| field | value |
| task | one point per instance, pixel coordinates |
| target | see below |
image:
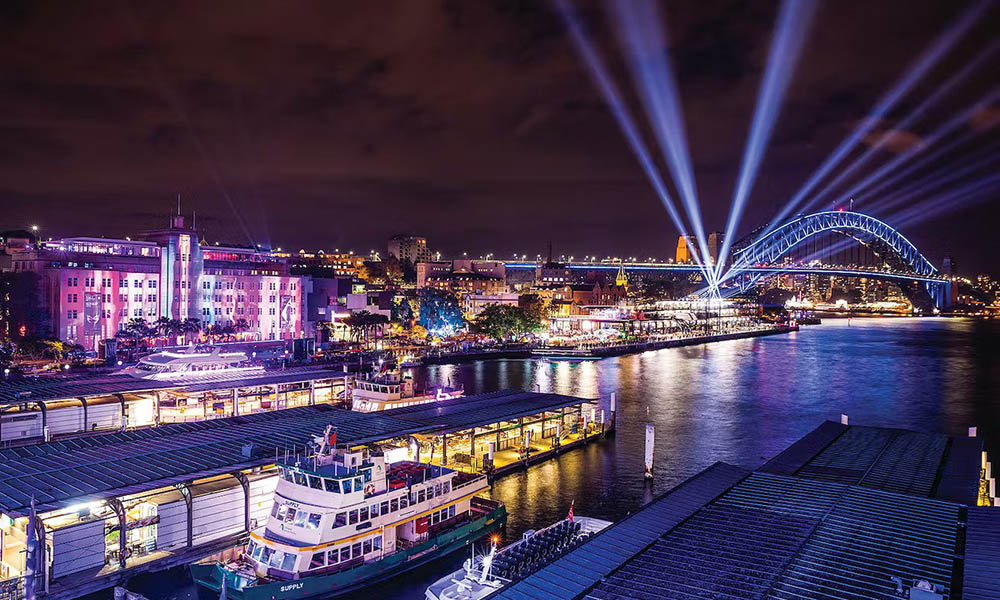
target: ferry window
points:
(358, 486)
(300, 479)
(331, 557)
(367, 546)
(421, 496)
(430, 492)
(437, 489)
(451, 510)
(363, 514)
(289, 476)
(367, 475)
(377, 543)
(435, 517)
(340, 520)
(332, 485)
(353, 517)
(250, 548)
(300, 518)
(318, 560)
(345, 553)
(313, 522)
(404, 501)
(290, 516)
(276, 558)
(385, 507)
(256, 551)
(356, 550)
(315, 483)
(374, 508)
(265, 557)
(445, 486)
(282, 509)
(288, 563)
(393, 505)
(274, 510)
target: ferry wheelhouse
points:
(343, 519)
(392, 391)
(193, 362)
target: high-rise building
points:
(409, 248)
(714, 245)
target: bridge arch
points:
(769, 248)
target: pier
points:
(112, 505)
(846, 512)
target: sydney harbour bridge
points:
(832, 243)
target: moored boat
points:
(389, 390)
(193, 362)
(484, 574)
(343, 519)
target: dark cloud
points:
(314, 124)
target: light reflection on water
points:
(740, 401)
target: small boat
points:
(389, 390)
(343, 519)
(483, 575)
(193, 362)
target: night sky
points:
(338, 124)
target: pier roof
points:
(824, 519)
(65, 472)
(64, 388)
(484, 409)
(897, 460)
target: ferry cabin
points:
(353, 510)
(391, 392)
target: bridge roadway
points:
(763, 269)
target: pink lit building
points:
(93, 286)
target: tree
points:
(55, 348)
(8, 351)
(505, 323)
(190, 327)
(440, 314)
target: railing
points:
(12, 589)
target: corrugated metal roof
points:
(578, 570)
(982, 554)
(474, 411)
(796, 456)
(34, 390)
(266, 378)
(959, 479)
(86, 468)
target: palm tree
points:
(175, 329)
(162, 325)
(190, 326)
(240, 326)
(55, 348)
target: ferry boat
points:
(169, 365)
(389, 390)
(483, 575)
(343, 519)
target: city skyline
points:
(275, 134)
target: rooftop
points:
(58, 474)
(839, 514)
(483, 409)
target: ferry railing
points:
(12, 589)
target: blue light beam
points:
(939, 93)
(791, 29)
(928, 59)
(612, 97)
(641, 34)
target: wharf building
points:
(845, 513)
(166, 496)
(88, 288)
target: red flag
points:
(570, 515)
(333, 439)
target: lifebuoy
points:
(369, 489)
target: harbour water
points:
(739, 401)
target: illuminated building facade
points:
(409, 248)
(91, 287)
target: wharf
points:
(846, 512)
(183, 491)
